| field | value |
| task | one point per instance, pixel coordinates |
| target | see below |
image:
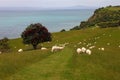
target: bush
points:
(63, 30)
(4, 46)
(109, 24)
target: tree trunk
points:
(35, 46)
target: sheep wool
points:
(88, 52)
(79, 50)
(20, 50)
(83, 49)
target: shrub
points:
(4, 46)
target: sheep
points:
(56, 48)
(20, 50)
(88, 52)
(43, 48)
(91, 47)
(79, 50)
(102, 49)
(83, 49)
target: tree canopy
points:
(35, 34)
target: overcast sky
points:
(57, 3)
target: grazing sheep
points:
(43, 48)
(102, 49)
(83, 49)
(91, 47)
(79, 50)
(0, 52)
(20, 50)
(88, 52)
(66, 43)
(56, 48)
(99, 48)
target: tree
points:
(4, 46)
(35, 34)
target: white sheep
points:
(79, 50)
(56, 48)
(91, 47)
(102, 49)
(83, 49)
(20, 50)
(43, 48)
(88, 52)
(0, 52)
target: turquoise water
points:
(12, 23)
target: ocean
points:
(13, 23)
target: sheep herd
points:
(82, 47)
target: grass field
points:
(66, 64)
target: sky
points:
(57, 3)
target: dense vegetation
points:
(102, 17)
(35, 34)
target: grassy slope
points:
(66, 64)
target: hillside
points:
(66, 64)
(103, 17)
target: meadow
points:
(65, 64)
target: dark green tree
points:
(35, 34)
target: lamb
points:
(43, 48)
(83, 49)
(56, 48)
(20, 50)
(79, 50)
(88, 52)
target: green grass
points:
(66, 64)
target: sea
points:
(14, 22)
